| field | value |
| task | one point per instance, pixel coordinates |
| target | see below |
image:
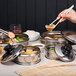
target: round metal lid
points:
(70, 35)
(64, 52)
(12, 55)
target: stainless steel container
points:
(50, 52)
(23, 55)
(28, 58)
(5, 38)
(63, 52)
(52, 37)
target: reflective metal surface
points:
(30, 57)
(70, 36)
(65, 52)
(52, 37)
(24, 42)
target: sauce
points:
(50, 27)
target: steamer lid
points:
(12, 53)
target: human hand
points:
(11, 34)
(70, 15)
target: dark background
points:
(34, 14)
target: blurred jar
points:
(16, 28)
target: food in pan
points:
(29, 51)
(0, 50)
(50, 27)
(18, 38)
(1, 58)
(53, 36)
(57, 36)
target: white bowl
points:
(33, 38)
(33, 35)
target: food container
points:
(19, 39)
(25, 55)
(33, 35)
(30, 55)
(63, 52)
(52, 37)
(2, 52)
(40, 45)
(50, 52)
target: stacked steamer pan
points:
(19, 51)
(52, 37)
(56, 46)
(19, 39)
(5, 40)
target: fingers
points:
(61, 14)
(61, 20)
(11, 34)
(71, 15)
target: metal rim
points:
(66, 37)
(63, 56)
(38, 52)
(14, 43)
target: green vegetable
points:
(51, 48)
(24, 38)
(17, 38)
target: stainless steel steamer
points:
(16, 55)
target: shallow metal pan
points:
(2, 36)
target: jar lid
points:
(70, 36)
(65, 52)
(11, 53)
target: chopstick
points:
(69, 9)
(58, 22)
(53, 21)
(3, 31)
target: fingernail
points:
(58, 17)
(60, 20)
(61, 15)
